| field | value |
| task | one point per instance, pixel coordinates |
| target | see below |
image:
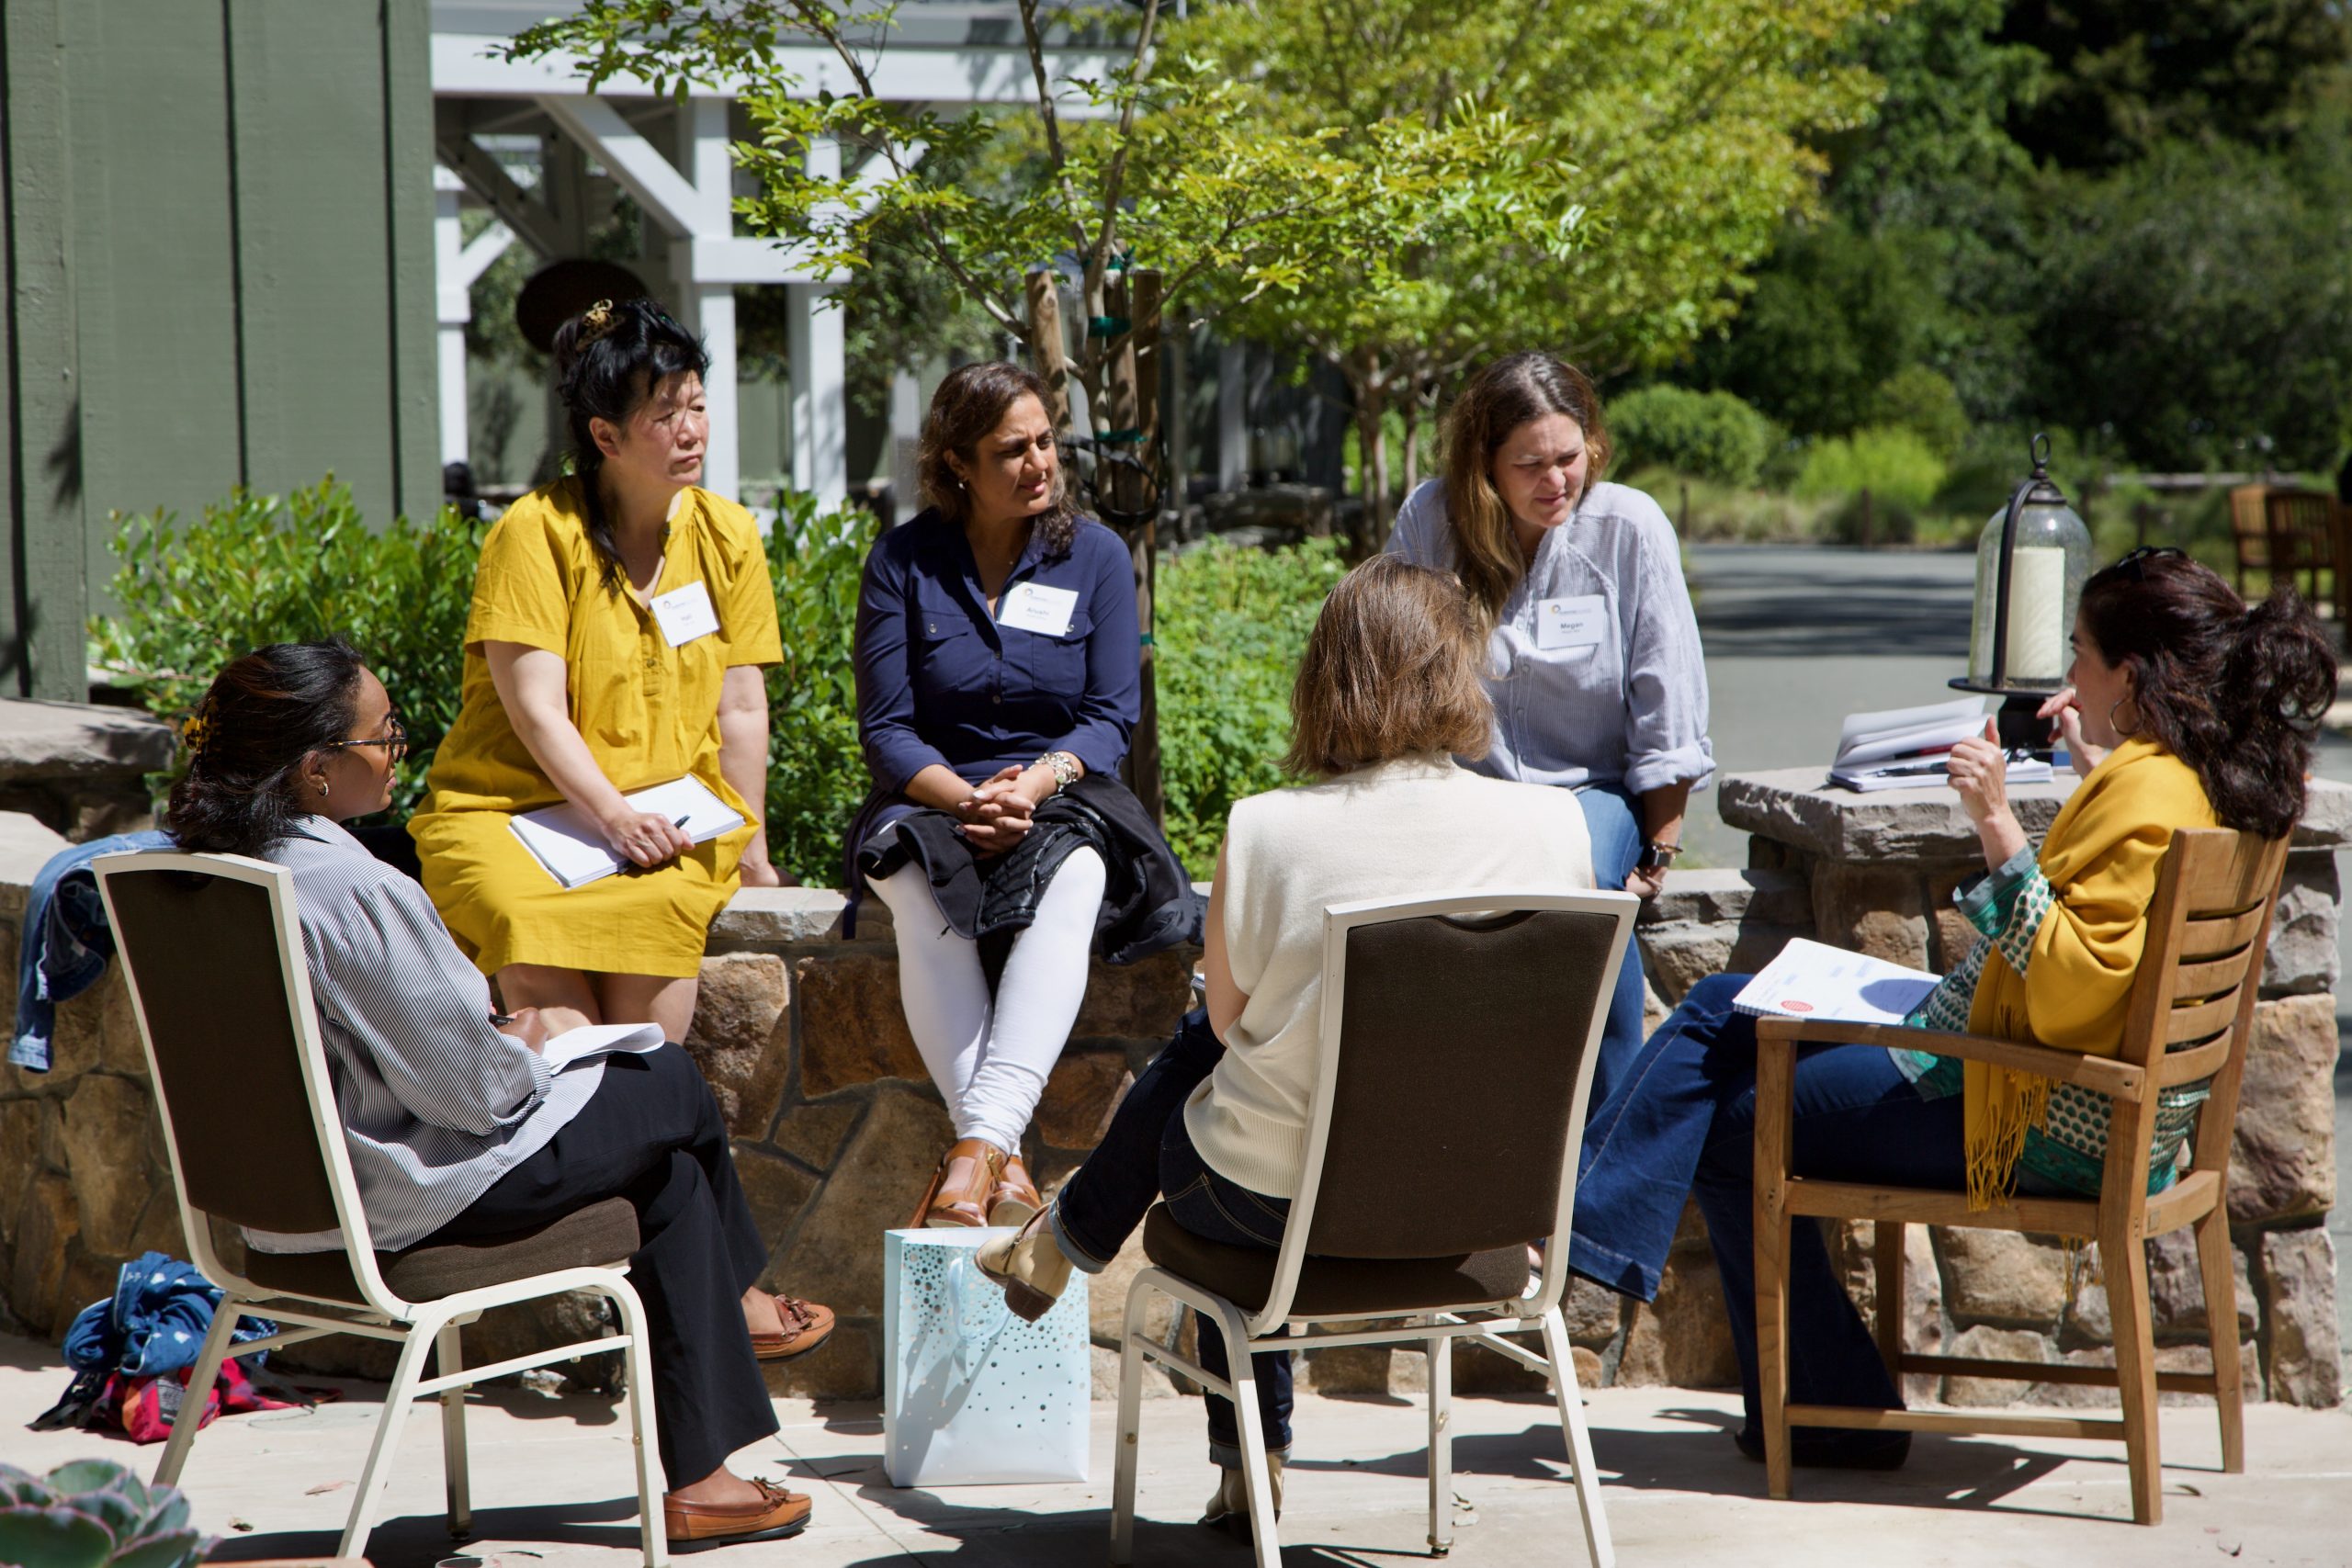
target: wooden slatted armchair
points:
(2191, 1012)
(2300, 528)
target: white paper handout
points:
(564, 839)
(1571, 623)
(1811, 979)
(576, 1046)
(1866, 738)
(1033, 607)
(684, 613)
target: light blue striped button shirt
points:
(436, 1103)
(1629, 708)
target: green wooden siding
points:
(219, 241)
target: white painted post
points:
(905, 445)
(820, 372)
(454, 308)
(1232, 416)
(709, 167)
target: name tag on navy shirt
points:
(1571, 623)
(685, 614)
(1033, 607)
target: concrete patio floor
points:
(552, 1489)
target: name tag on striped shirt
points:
(1571, 623)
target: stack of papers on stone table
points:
(1906, 748)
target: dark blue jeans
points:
(1613, 820)
(1682, 1123)
(1146, 1153)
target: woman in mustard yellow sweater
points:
(2186, 708)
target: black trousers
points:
(652, 1134)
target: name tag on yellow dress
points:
(1033, 607)
(1571, 623)
(684, 613)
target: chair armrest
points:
(2105, 1075)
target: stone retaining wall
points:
(836, 1127)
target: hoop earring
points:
(2111, 723)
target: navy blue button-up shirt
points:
(940, 679)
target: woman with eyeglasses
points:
(621, 617)
(2185, 708)
(459, 1132)
(1599, 683)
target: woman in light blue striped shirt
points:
(1598, 680)
(458, 1131)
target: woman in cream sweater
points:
(2185, 710)
(1388, 693)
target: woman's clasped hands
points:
(999, 813)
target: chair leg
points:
(1126, 1458)
(1441, 1348)
(638, 1364)
(2123, 1259)
(1597, 1544)
(373, 1476)
(455, 1478)
(1243, 1374)
(200, 1380)
(1886, 1245)
(1775, 1096)
(2220, 1274)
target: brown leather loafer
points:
(806, 1325)
(694, 1526)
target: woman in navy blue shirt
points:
(998, 676)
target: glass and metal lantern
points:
(2031, 564)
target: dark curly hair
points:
(608, 360)
(247, 739)
(970, 403)
(2235, 690)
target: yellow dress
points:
(648, 711)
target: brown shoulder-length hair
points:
(1393, 669)
(2236, 690)
(1498, 400)
(970, 404)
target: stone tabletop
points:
(1798, 807)
(79, 739)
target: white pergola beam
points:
(515, 207)
(465, 66)
(669, 197)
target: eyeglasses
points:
(395, 744)
(2137, 560)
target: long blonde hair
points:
(1498, 400)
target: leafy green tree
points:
(1687, 127)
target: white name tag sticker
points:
(1571, 623)
(685, 614)
(1033, 607)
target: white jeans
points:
(990, 1057)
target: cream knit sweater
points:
(1403, 828)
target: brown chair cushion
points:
(596, 1236)
(1337, 1286)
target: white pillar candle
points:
(2037, 608)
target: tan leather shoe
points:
(1014, 1197)
(806, 1326)
(694, 1526)
(1031, 1268)
(1230, 1509)
(958, 1193)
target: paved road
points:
(1799, 637)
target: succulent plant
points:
(93, 1514)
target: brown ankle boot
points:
(958, 1194)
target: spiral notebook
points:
(571, 848)
(1811, 979)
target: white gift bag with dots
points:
(971, 1395)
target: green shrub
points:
(1924, 402)
(1231, 624)
(816, 770)
(1893, 466)
(252, 570)
(1708, 436)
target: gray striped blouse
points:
(436, 1103)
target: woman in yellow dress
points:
(620, 619)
